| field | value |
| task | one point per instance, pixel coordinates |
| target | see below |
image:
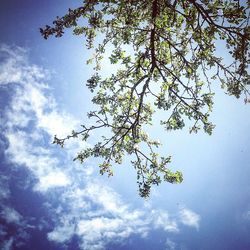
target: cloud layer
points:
(78, 203)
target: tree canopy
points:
(167, 60)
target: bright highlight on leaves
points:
(172, 67)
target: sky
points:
(47, 201)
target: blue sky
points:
(47, 201)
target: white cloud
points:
(101, 230)
(4, 188)
(53, 179)
(10, 215)
(189, 218)
(37, 159)
(100, 217)
(96, 228)
(9, 60)
(62, 234)
(15, 68)
(163, 220)
(33, 109)
(105, 197)
(17, 236)
(8, 244)
(98, 220)
(170, 245)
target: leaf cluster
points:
(172, 66)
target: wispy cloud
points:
(163, 220)
(170, 245)
(31, 117)
(4, 187)
(10, 218)
(189, 218)
(8, 244)
(10, 215)
(246, 215)
(81, 204)
(24, 123)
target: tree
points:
(172, 67)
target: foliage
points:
(171, 68)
